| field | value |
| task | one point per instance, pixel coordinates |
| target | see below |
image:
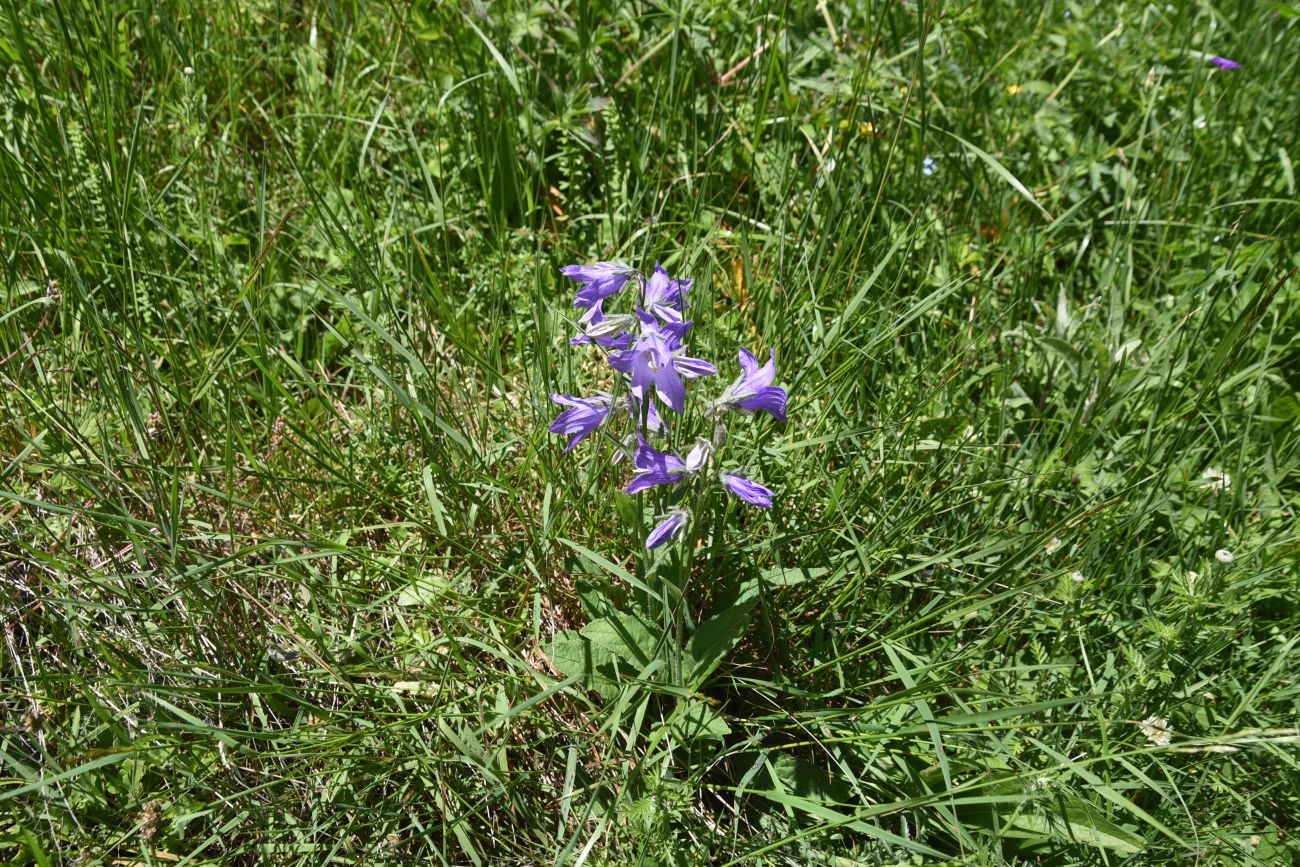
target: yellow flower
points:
(866, 129)
(1013, 89)
(844, 126)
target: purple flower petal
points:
(752, 377)
(666, 529)
(751, 492)
(586, 415)
(753, 389)
(652, 419)
(770, 400)
(1225, 63)
(623, 360)
(670, 388)
(651, 370)
(677, 292)
(646, 481)
(763, 377)
(593, 273)
(650, 459)
(665, 297)
(693, 367)
(654, 467)
(675, 333)
(598, 281)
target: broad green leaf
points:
(697, 720)
(1077, 823)
(713, 639)
(623, 636)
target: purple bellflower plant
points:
(646, 348)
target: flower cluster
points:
(647, 350)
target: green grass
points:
(289, 563)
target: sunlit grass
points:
(285, 546)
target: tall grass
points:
(285, 546)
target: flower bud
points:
(699, 456)
(610, 326)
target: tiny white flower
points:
(1053, 546)
(189, 70)
(1199, 123)
(1223, 555)
(928, 166)
(1216, 480)
(1077, 577)
(1157, 730)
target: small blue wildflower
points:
(753, 389)
(597, 282)
(653, 467)
(928, 165)
(664, 297)
(587, 414)
(750, 492)
(666, 529)
(656, 363)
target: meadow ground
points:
(291, 571)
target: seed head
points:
(150, 816)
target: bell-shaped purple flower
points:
(585, 416)
(666, 529)
(598, 281)
(751, 492)
(653, 467)
(753, 390)
(664, 297)
(656, 364)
